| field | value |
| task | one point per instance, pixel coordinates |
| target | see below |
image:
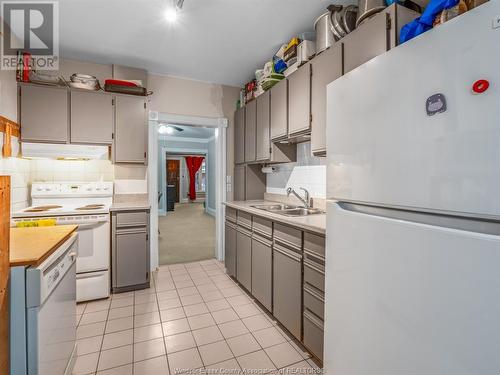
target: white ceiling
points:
(219, 41)
(192, 132)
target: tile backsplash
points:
(19, 172)
(308, 172)
(24, 172)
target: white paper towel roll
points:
(268, 170)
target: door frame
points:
(220, 125)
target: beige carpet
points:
(186, 234)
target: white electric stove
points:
(86, 205)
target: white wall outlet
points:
(229, 179)
(496, 22)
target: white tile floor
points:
(194, 317)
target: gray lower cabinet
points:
(44, 114)
(314, 293)
(230, 248)
(239, 136)
(244, 257)
(279, 110)
(250, 131)
(299, 101)
(92, 117)
(326, 67)
(130, 253)
(287, 288)
(131, 135)
(262, 270)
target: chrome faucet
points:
(306, 200)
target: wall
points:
(181, 96)
(308, 172)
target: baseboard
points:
(211, 211)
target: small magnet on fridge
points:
(480, 86)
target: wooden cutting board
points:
(4, 272)
(31, 246)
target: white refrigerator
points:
(413, 223)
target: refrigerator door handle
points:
(482, 226)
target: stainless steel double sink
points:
(289, 210)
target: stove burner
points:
(90, 207)
(42, 208)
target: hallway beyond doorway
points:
(186, 234)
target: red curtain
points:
(193, 165)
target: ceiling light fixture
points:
(172, 13)
(165, 129)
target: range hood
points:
(64, 151)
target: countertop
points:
(312, 223)
(127, 206)
(31, 246)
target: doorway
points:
(155, 174)
(188, 158)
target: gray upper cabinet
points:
(279, 110)
(239, 183)
(299, 101)
(366, 42)
(44, 114)
(130, 144)
(91, 117)
(326, 68)
(263, 126)
(250, 131)
(239, 136)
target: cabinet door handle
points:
(286, 253)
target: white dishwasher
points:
(43, 314)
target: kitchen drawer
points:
(132, 219)
(288, 236)
(231, 214)
(313, 334)
(314, 243)
(314, 301)
(245, 219)
(263, 227)
(314, 271)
